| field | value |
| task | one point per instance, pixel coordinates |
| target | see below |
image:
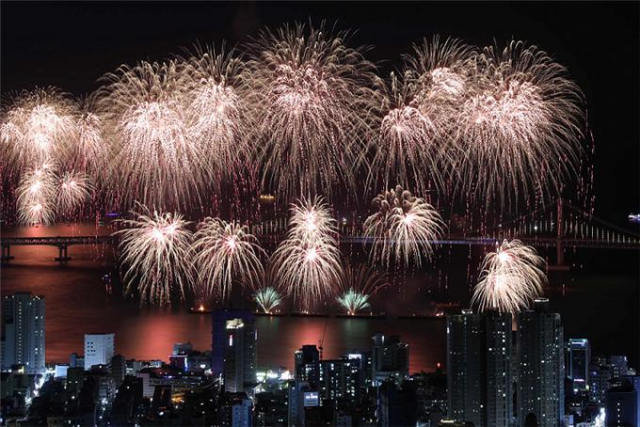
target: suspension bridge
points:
(558, 224)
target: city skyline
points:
(378, 214)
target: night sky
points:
(71, 45)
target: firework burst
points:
(311, 220)
(36, 196)
(519, 126)
(74, 189)
(403, 227)
(226, 252)
(358, 285)
(217, 111)
(510, 278)
(156, 250)
(419, 112)
(154, 160)
(314, 98)
(268, 299)
(37, 127)
(307, 263)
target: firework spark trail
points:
(314, 99)
(510, 278)
(268, 299)
(226, 252)
(38, 126)
(154, 159)
(74, 189)
(402, 228)
(307, 264)
(357, 286)
(156, 250)
(217, 112)
(36, 196)
(519, 126)
(311, 220)
(419, 111)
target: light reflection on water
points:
(78, 302)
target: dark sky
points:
(70, 45)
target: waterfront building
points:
(479, 365)
(234, 349)
(540, 350)
(389, 358)
(98, 349)
(23, 332)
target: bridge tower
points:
(63, 256)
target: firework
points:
(156, 250)
(307, 263)
(519, 127)
(154, 160)
(91, 151)
(311, 220)
(403, 227)
(510, 278)
(38, 126)
(419, 113)
(358, 284)
(36, 196)
(74, 189)
(313, 97)
(226, 252)
(268, 299)
(217, 113)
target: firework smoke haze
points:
(403, 228)
(225, 252)
(510, 279)
(314, 99)
(155, 249)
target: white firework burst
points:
(225, 252)
(510, 279)
(155, 249)
(403, 228)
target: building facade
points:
(23, 333)
(540, 353)
(98, 349)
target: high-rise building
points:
(341, 379)
(464, 367)
(623, 402)
(234, 349)
(619, 366)
(307, 365)
(600, 373)
(118, 369)
(298, 390)
(540, 350)
(389, 358)
(98, 349)
(23, 332)
(577, 360)
(497, 390)
(489, 389)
